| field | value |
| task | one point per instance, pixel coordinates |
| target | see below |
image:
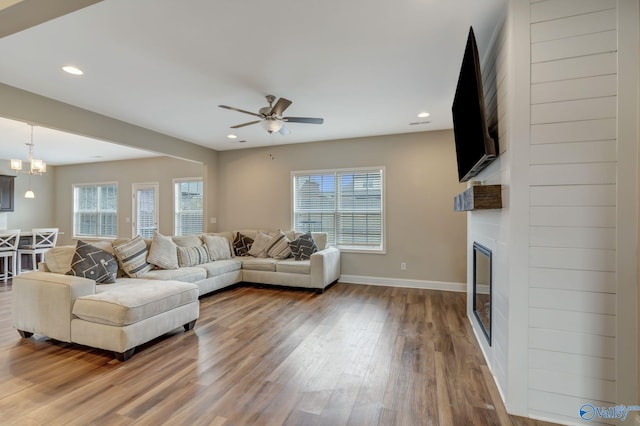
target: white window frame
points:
(175, 204)
(346, 248)
(75, 211)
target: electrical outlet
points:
(213, 220)
(403, 266)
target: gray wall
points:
(161, 170)
(254, 191)
(38, 212)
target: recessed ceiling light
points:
(232, 136)
(423, 114)
(72, 70)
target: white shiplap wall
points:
(491, 227)
(572, 244)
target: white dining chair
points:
(9, 240)
(42, 239)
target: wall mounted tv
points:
(475, 148)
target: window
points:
(188, 206)
(145, 209)
(95, 210)
(346, 204)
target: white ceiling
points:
(368, 67)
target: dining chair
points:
(42, 239)
(9, 240)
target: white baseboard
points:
(399, 282)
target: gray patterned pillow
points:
(242, 244)
(303, 247)
(132, 256)
(91, 262)
(163, 252)
(279, 248)
(192, 256)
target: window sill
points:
(361, 250)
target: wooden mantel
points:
(479, 197)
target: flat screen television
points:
(475, 148)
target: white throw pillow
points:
(163, 252)
(260, 245)
(218, 247)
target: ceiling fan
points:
(271, 118)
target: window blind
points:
(347, 204)
(189, 199)
(95, 210)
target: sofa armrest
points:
(41, 302)
(325, 267)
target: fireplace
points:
(482, 288)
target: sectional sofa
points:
(152, 287)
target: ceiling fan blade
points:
(284, 130)
(239, 110)
(280, 106)
(237, 126)
(307, 120)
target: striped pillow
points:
(192, 256)
(132, 257)
(279, 247)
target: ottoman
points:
(134, 313)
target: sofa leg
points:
(189, 326)
(123, 356)
(25, 334)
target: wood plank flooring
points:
(355, 355)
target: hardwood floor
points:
(355, 355)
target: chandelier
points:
(36, 167)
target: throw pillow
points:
(192, 256)
(303, 247)
(260, 244)
(218, 247)
(242, 244)
(163, 252)
(91, 262)
(279, 247)
(132, 256)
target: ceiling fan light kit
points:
(271, 118)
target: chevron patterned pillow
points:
(303, 247)
(242, 244)
(91, 262)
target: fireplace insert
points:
(482, 288)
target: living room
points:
(422, 231)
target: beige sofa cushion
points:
(131, 303)
(294, 266)
(261, 242)
(188, 240)
(220, 267)
(188, 274)
(259, 264)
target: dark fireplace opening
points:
(482, 287)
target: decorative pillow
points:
(58, 259)
(191, 240)
(260, 244)
(91, 262)
(242, 244)
(132, 256)
(163, 252)
(279, 247)
(192, 256)
(218, 247)
(303, 247)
